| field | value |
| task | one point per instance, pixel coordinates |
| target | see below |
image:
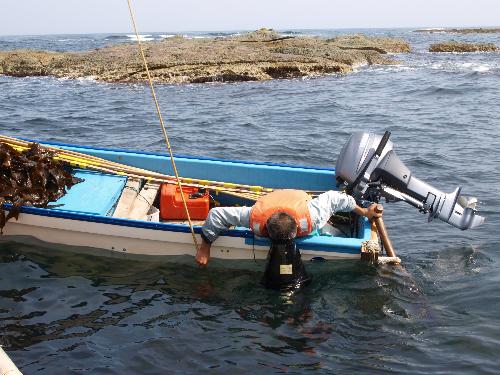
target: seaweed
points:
(31, 178)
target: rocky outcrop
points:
(455, 46)
(362, 42)
(261, 55)
(478, 30)
(24, 63)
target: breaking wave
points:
(142, 37)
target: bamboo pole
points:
(170, 181)
(103, 165)
(86, 161)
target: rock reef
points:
(455, 46)
(260, 55)
(477, 30)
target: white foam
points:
(462, 66)
(481, 68)
(476, 67)
(437, 66)
(142, 37)
(388, 68)
(357, 66)
(164, 36)
(195, 36)
(87, 79)
(435, 29)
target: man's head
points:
(281, 227)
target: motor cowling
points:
(368, 168)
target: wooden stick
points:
(382, 231)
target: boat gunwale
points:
(151, 153)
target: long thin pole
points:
(384, 236)
(92, 162)
(164, 130)
(79, 160)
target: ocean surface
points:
(64, 313)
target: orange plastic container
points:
(172, 208)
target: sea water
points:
(64, 313)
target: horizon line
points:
(251, 30)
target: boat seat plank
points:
(144, 201)
(129, 194)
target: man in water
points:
(281, 215)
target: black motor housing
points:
(285, 269)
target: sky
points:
(33, 17)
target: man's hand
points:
(374, 211)
(203, 253)
(371, 212)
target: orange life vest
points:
(293, 202)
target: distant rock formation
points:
(455, 46)
(362, 42)
(478, 30)
(260, 55)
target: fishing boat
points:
(115, 207)
(101, 212)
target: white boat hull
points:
(138, 241)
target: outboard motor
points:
(368, 168)
(285, 270)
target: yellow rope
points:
(164, 130)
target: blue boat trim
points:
(62, 214)
(341, 245)
(61, 144)
(247, 173)
(320, 243)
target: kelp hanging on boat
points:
(31, 178)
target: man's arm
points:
(218, 220)
(325, 205)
